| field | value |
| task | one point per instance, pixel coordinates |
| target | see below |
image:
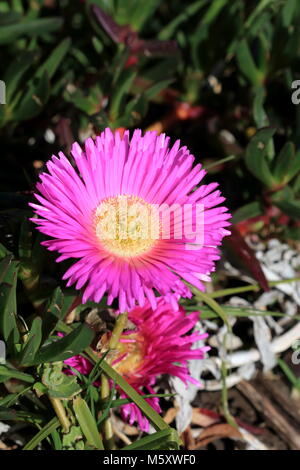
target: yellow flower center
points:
(127, 226)
(130, 355)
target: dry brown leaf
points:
(201, 419)
(188, 439)
(217, 431)
(123, 427)
(5, 447)
(170, 415)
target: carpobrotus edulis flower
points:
(127, 211)
(161, 342)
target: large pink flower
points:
(81, 208)
(160, 343)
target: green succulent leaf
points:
(8, 302)
(246, 63)
(10, 32)
(122, 87)
(50, 66)
(73, 440)
(54, 312)
(256, 153)
(16, 72)
(33, 342)
(288, 11)
(134, 12)
(290, 208)
(9, 18)
(87, 423)
(34, 99)
(59, 349)
(57, 383)
(9, 373)
(248, 211)
(287, 164)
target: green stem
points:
(105, 388)
(61, 413)
(225, 405)
(228, 416)
(211, 303)
(118, 330)
(106, 425)
(219, 162)
(254, 287)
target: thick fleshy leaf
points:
(9, 18)
(255, 157)
(288, 11)
(33, 342)
(253, 209)
(122, 87)
(259, 113)
(184, 16)
(68, 346)
(29, 28)
(290, 207)
(135, 12)
(15, 72)
(8, 303)
(246, 63)
(54, 60)
(287, 164)
(53, 313)
(87, 423)
(57, 384)
(34, 99)
(9, 373)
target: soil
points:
(251, 418)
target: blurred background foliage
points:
(216, 74)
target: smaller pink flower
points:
(80, 363)
(160, 343)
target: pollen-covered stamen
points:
(130, 354)
(126, 225)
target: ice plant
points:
(161, 342)
(117, 182)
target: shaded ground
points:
(275, 421)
